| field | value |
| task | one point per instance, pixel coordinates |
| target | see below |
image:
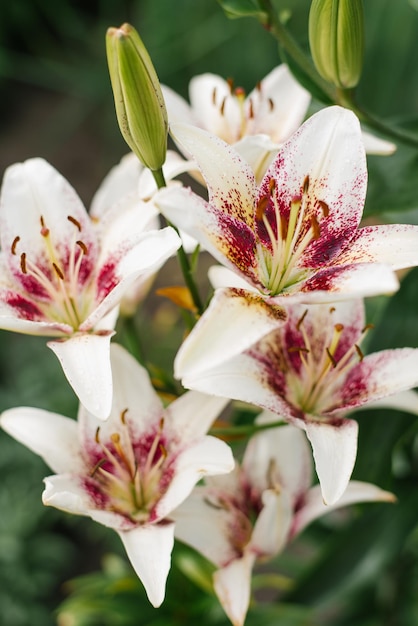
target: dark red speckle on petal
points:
(24, 308)
(107, 280)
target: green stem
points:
(181, 254)
(130, 337)
(346, 98)
(247, 430)
(294, 50)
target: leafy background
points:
(353, 567)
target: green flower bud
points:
(336, 38)
(139, 103)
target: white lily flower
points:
(63, 276)
(295, 237)
(311, 372)
(131, 471)
(257, 123)
(254, 512)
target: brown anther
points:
(115, 437)
(44, 229)
(58, 271)
(359, 352)
(271, 104)
(332, 309)
(214, 96)
(83, 246)
(258, 86)
(367, 327)
(301, 320)
(325, 208)
(161, 423)
(331, 358)
(305, 186)
(261, 207)
(251, 110)
(284, 226)
(72, 219)
(96, 436)
(230, 82)
(14, 244)
(23, 263)
(272, 185)
(97, 467)
(123, 416)
(163, 450)
(339, 328)
(222, 107)
(315, 227)
(298, 349)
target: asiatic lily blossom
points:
(251, 514)
(296, 237)
(131, 471)
(62, 276)
(256, 123)
(311, 372)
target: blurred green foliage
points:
(360, 567)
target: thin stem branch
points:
(181, 255)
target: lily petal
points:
(273, 524)
(52, 436)
(334, 448)
(345, 282)
(380, 374)
(279, 446)
(230, 180)
(220, 113)
(132, 390)
(233, 321)
(233, 587)
(67, 492)
(393, 244)
(207, 456)
(85, 360)
(314, 507)
(122, 269)
(376, 145)
(192, 414)
(403, 401)
(121, 180)
(149, 550)
(205, 528)
(229, 240)
(280, 104)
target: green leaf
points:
(393, 182)
(243, 8)
(398, 326)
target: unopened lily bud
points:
(336, 39)
(139, 103)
